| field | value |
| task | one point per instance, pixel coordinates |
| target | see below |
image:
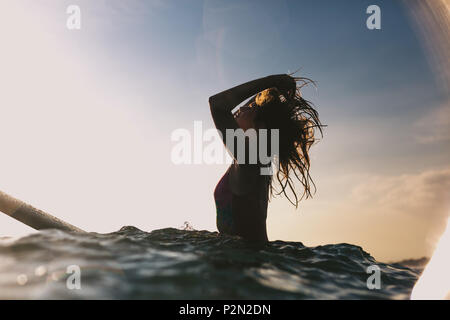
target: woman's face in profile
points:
(245, 116)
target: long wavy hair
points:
(297, 122)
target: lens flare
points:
(435, 280)
(432, 22)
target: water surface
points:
(188, 264)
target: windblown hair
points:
(296, 120)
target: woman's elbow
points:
(212, 101)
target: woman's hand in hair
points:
(285, 84)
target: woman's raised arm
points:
(227, 100)
(223, 103)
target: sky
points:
(87, 115)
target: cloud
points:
(435, 126)
(401, 215)
(423, 195)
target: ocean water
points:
(188, 264)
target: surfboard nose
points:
(35, 218)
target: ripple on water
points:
(188, 264)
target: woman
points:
(242, 194)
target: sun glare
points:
(435, 280)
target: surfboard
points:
(35, 218)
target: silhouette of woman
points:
(242, 194)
